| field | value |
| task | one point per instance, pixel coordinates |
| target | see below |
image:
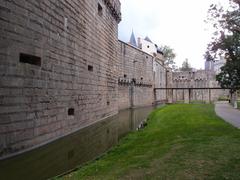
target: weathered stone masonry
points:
(62, 68)
(196, 79)
(58, 68)
(135, 77)
(139, 74)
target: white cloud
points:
(179, 24)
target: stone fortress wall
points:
(58, 67)
(139, 74)
(62, 68)
(196, 79)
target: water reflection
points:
(68, 152)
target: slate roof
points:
(133, 40)
(148, 39)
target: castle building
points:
(209, 65)
(218, 64)
(215, 65)
(202, 79)
(147, 45)
(63, 69)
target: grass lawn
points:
(180, 142)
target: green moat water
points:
(73, 150)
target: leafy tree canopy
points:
(168, 54)
(186, 66)
(226, 42)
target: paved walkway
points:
(228, 113)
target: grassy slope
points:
(180, 142)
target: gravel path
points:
(228, 113)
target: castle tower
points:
(209, 65)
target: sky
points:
(178, 24)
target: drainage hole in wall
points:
(90, 68)
(30, 59)
(71, 111)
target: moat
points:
(76, 149)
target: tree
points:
(226, 41)
(168, 54)
(208, 56)
(186, 66)
(229, 77)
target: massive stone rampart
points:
(135, 77)
(139, 73)
(62, 68)
(58, 68)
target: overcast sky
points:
(179, 24)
